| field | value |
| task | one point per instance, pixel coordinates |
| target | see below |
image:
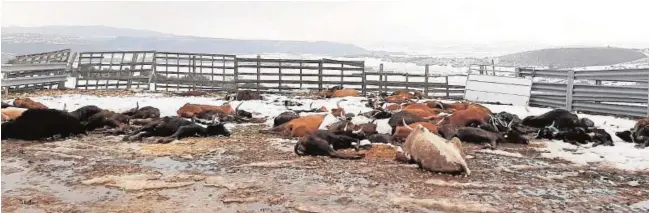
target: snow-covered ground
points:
(622, 155)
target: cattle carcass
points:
(298, 127)
(398, 118)
(35, 124)
(206, 116)
(12, 113)
(433, 153)
(142, 113)
(106, 118)
(85, 112)
(639, 134)
(381, 138)
(560, 117)
(28, 103)
(378, 113)
(421, 110)
(325, 143)
(172, 128)
(479, 136)
(338, 111)
(244, 95)
(284, 117)
(190, 110)
(403, 131)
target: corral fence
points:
(177, 71)
(46, 70)
(623, 92)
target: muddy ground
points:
(251, 172)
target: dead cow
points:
(28, 103)
(325, 143)
(35, 124)
(173, 127)
(433, 153)
(244, 95)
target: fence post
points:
(407, 81)
(381, 78)
(647, 96)
(364, 79)
(447, 87)
(320, 75)
(258, 71)
(193, 63)
(280, 76)
(517, 72)
(342, 74)
(300, 74)
(570, 82)
(426, 81)
(236, 74)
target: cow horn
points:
(440, 121)
(338, 103)
(137, 105)
(345, 129)
(358, 131)
(406, 125)
(510, 124)
(376, 113)
(236, 110)
(440, 105)
(373, 120)
(65, 105)
(215, 118)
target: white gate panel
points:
(507, 90)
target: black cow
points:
(284, 117)
(85, 112)
(107, 118)
(381, 138)
(35, 124)
(378, 113)
(560, 118)
(325, 143)
(174, 127)
(399, 118)
(5, 105)
(639, 134)
(477, 135)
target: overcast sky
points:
(547, 21)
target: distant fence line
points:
(617, 92)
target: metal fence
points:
(36, 71)
(178, 71)
(622, 92)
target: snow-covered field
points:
(622, 155)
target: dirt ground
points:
(251, 172)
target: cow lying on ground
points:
(12, 113)
(433, 153)
(561, 119)
(36, 124)
(639, 134)
(143, 113)
(173, 128)
(244, 95)
(85, 112)
(5, 105)
(298, 127)
(190, 110)
(28, 103)
(325, 143)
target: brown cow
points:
(422, 110)
(12, 113)
(402, 132)
(190, 110)
(345, 93)
(299, 127)
(339, 111)
(28, 103)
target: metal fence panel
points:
(194, 71)
(115, 70)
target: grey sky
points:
(548, 21)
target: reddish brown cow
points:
(299, 127)
(28, 103)
(190, 110)
(402, 132)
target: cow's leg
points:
(182, 132)
(349, 139)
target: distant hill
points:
(571, 57)
(22, 40)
